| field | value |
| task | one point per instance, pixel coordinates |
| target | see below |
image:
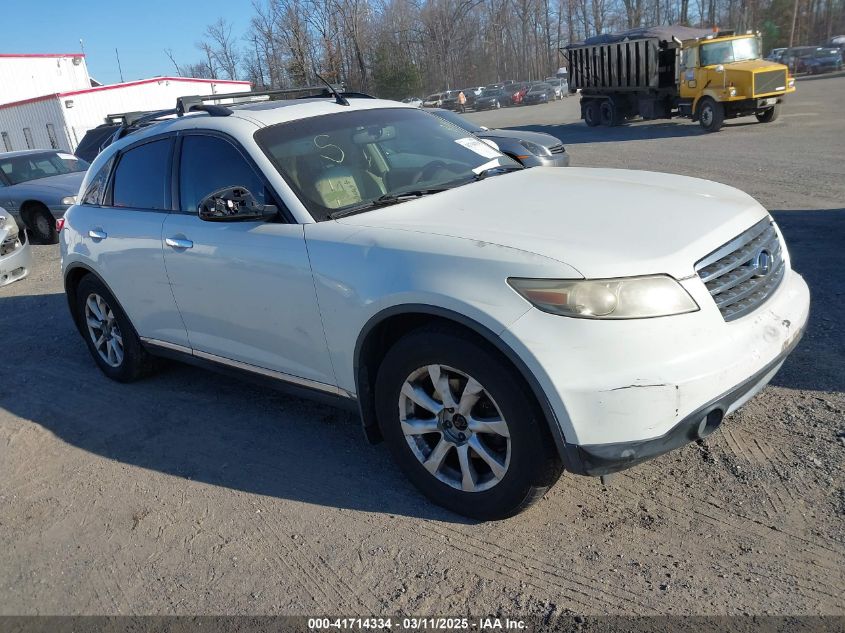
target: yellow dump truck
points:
(666, 72)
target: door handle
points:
(178, 242)
(97, 234)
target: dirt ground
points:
(192, 493)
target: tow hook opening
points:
(709, 423)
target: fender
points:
(568, 452)
(74, 266)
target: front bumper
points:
(603, 459)
(16, 264)
(555, 160)
(624, 391)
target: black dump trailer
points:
(628, 74)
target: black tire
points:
(767, 116)
(592, 116)
(711, 115)
(42, 225)
(135, 362)
(534, 464)
(608, 113)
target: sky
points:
(141, 31)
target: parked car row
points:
(812, 60)
(504, 94)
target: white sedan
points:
(368, 252)
(15, 254)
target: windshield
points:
(457, 119)
(28, 167)
(354, 160)
(739, 50)
(432, 98)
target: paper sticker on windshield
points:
(66, 156)
(480, 148)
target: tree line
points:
(399, 48)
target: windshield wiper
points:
(498, 169)
(386, 199)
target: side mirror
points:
(719, 68)
(485, 128)
(234, 204)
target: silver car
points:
(532, 149)
(38, 186)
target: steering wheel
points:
(428, 171)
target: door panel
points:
(246, 293)
(123, 236)
(130, 260)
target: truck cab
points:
(725, 76)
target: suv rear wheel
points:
(110, 337)
(461, 427)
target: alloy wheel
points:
(454, 428)
(104, 330)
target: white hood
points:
(602, 222)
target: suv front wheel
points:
(460, 425)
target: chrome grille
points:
(557, 149)
(769, 81)
(743, 273)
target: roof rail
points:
(134, 120)
(195, 103)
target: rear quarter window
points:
(142, 176)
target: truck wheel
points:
(711, 115)
(608, 113)
(592, 116)
(767, 116)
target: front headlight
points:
(68, 200)
(623, 298)
(535, 148)
(792, 82)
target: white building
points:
(54, 102)
(26, 76)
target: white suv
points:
(375, 254)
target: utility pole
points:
(792, 30)
(117, 55)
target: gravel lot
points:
(194, 493)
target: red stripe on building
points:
(127, 84)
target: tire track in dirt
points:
(288, 563)
(822, 582)
(350, 592)
(536, 569)
(318, 573)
